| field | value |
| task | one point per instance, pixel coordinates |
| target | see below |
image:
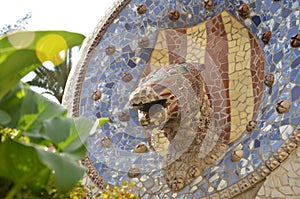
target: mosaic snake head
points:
(173, 100)
(171, 97)
(168, 96)
(154, 103)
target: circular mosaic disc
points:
(202, 96)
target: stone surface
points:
(284, 182)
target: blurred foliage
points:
(53, 81)
(39, 143)
(24, 51)
(40, 148)
(50, 192)
(120, 192)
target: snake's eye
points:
(150, 112)
(162, 103)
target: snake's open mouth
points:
(150, 113)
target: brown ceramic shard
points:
(110, 50)
(244, 11)
(283, 106)
(266, 36)
(174, 15)
(142, 9)
(295, 41)
(208, 4)
(96, 95)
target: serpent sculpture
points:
(163, 104)
(217, 130)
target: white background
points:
(80, 16)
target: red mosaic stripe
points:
(177, 45)
(257, 71)
(217, 59)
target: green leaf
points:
(11, 104)
(70, 135)
(78, 154)
(4, 118)
(67, 172)
(57, 129)
(29, 40)
(17, 65)
(22, 52)
(15, 157)
(45, 123)
(35, 103)
(79, 132)
(26, 121)
(20, 163)
(35, 109)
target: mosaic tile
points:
(245, 53)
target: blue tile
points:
(258, 5)
(298, 79)
(256, 143)
(275, 136)
(127, 49)
(278, 56)
(274, 7)
(286, 12)
(292, 31)
(276, 144)
(296, 63)
(110, 85)
(98, 115)
(296, 93)
(256, 20)
(131, 63)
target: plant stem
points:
(15, 189)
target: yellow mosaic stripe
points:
(160, 53)
(159, 58)
(240, 84)
(196, 42)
